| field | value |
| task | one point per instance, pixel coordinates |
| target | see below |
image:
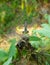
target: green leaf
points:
(12, 49)
(34, 38)
(8, 61)
(47, 17)
(47, 63)
(46, 26)
(35, 44)
(45, 31)
(3, 55)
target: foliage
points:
(7, 56)
(38, 51)
(37, 48)
(45, 30)
(12, 12)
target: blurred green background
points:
(16, 12)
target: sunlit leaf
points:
(8, 61)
